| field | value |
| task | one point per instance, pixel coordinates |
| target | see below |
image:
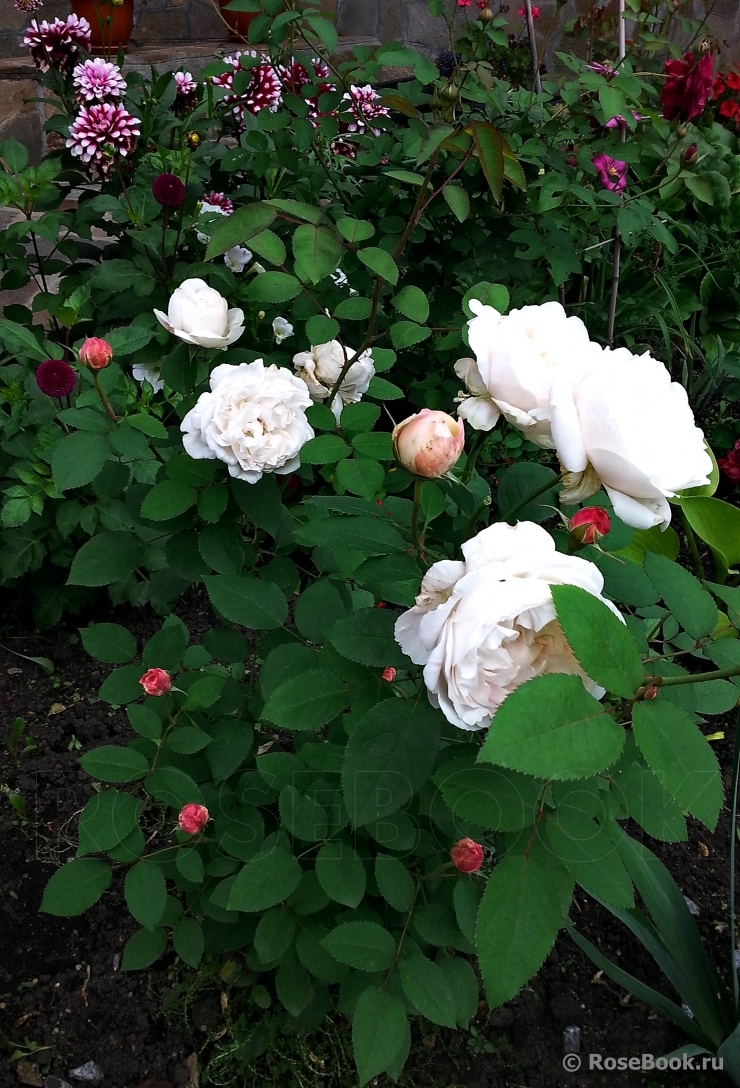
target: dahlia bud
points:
(467, 856)
(389, 674)
(96, 353)
(169, 191)
(55, 378)
(428, 443)
(156, 682)
(192, 819)
(486, 15)
(193, 140)
(589, 525)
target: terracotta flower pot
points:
(238, 22)
(110, 24)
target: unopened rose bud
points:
(690, 154)
(467, 856)
(156, 682)
(96, 353)
(486, 15)
(428, 443)
(651, 692)
(589, 525)
(192, 819)
(450, 93)
(389, 674)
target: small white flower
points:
(258, 268)
(282, 329)
(254, 419)
(339, 278)
(237, 258)
(148, 372)
(200, 315)
(321, 366)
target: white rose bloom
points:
(486, 625)
(237, 258)
(520, 355)
(254, 419)
(282, 329)
(476, 406)
(627, 426)
(321, 366)
(148, 372)
(200, 315)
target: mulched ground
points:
(59, 987)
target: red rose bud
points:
(56, 378)
(156, 682)
(690, 154)
(96, 353)
(589, 525)
(651, 692)
(467, 856)
(389, 674)
(168, 190)
(192, 819)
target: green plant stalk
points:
(697, 677)
(103, 399)
(535, 494)
(693, 546)
(475, 448)
(418, 483)
(733, 841)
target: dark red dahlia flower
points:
(169, 191)
(55, 378)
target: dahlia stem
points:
(103, 399)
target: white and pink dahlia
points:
(185, 82)
(263, 92)
(103, 132)
(28, 6)
(57, 45)
(98, 79)
(364, 108)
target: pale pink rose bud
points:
(156, 682)
(589, 525)
(96, 353)
(467, 856)
(428, 443)
(389, 674)
(192, 819)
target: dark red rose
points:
(686, 92)
(730, 464)
(168, 191)
(55, 378)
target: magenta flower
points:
(98, 79)
(295, 76)
(57, 45)
(522, 13)
(185, 83)
(686, 92)
(55, 378)
(612, 173)
(101, 132)
(168, 191)
(217, 202)
(365, 106)
(621, 122)
(263, 91)
(605, 70)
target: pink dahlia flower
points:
(263, 91)
(57, 45)
(101, 132)
(28, 6)
(612, 173)
(185, 82)
(98, 79)
(621, 122)
(365, 106)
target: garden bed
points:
(60, 989)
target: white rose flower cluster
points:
(614, 418)
(321, 366)
(254, 419)
(486, 625)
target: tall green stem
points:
(418, 482)
(693, 546)
(698, 677)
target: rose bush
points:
(293, 276)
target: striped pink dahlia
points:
(102, 132)
(57, 44)
(98, 79)
(263, 91)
